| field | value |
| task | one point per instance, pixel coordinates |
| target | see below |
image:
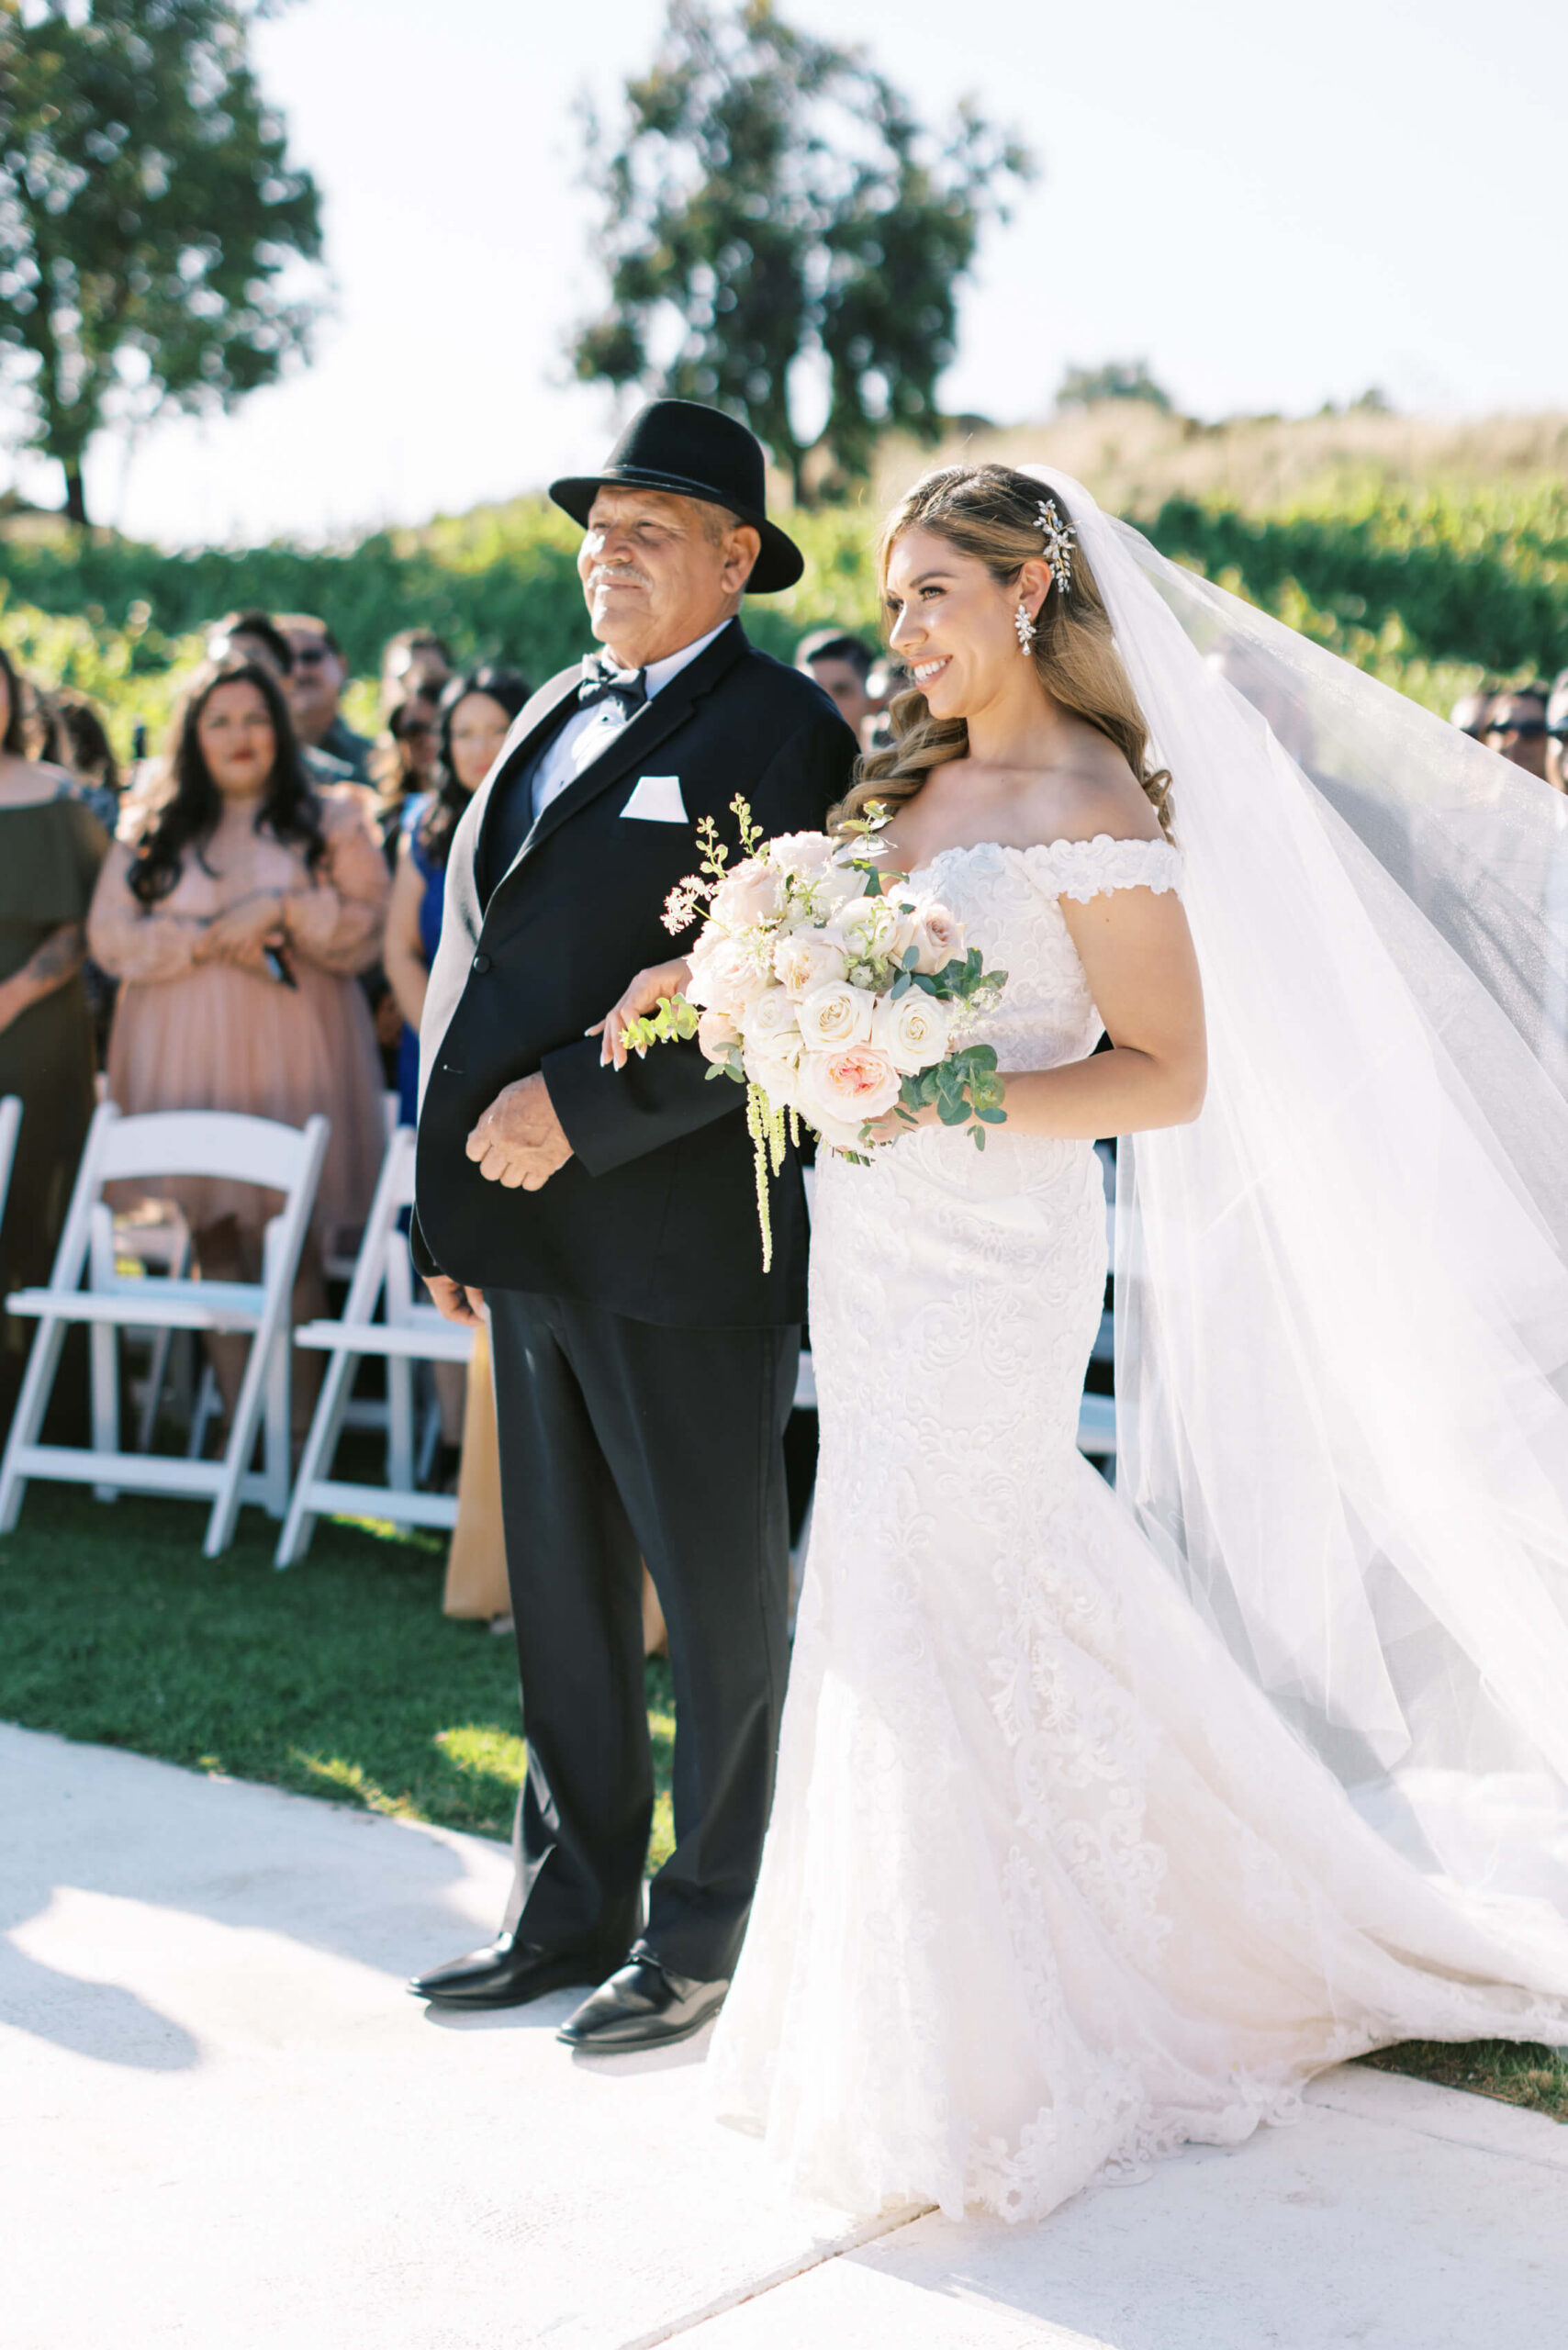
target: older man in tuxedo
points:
(644, 1361)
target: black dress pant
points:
(624, 1442)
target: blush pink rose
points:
(843, 1089)
(938, 937)
(750, 892)
(725, 975)
(717, 1035)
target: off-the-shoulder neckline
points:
(1035, 849)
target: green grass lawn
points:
(339, 1677)
(343, 1678)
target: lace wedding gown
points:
(1049, 1888)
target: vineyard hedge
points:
(1426, 589)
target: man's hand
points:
(454, 1303)
(519, 1142)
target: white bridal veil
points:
(1342, 1326)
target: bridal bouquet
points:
(831, 999)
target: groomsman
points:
(644, 1362)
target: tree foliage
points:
(768, 199)
(148, 216)
(1117, 379)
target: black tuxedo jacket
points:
(655, 1214)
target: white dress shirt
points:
(588, 733)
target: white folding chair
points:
(408, 1333)
(87, 1286)
(10, 1128)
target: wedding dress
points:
(1050, 1888)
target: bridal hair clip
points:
(1060, 540)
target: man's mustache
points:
(616, 575)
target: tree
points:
(148, 212)
(771, 200)
(1118, 379)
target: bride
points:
(1105, 1820)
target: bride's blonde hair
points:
(992, 513)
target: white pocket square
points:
(656, 800)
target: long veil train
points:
(1342, 1346)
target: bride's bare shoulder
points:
(1098, 795)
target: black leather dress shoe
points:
(642, 2006)
(507, 1974)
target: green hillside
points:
(1422, 551)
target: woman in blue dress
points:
(474, 715)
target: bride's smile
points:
(953, 626)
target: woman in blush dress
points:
(236, 911)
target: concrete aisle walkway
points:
(224, 2124)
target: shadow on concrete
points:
(96, 1821)
(98, 2019)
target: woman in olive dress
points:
(50, 849)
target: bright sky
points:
(1276, 204)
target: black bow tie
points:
(602, 681)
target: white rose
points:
(773, 1062)
(840, 1091)
(750, 894)
(834, 1015)
(938, 937)
(805, 854)
(772, 1014)
(913, 1031)
(839, 885)
(805, 960)
(725, 974)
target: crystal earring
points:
(1025, 627)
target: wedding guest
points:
(236, 909)
(1557, 732)
(316, 683)
(888, 679)
(402, 768)
(406, 761)
(416, 661)
(1470, 712)
(253, 637)
(841, 664)
(51, 848)
(475, 713)
(1515, 725)
(250, 635)
(79, 743)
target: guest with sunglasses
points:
(1557, 732)
(315, 687)
(1470, 714)
(1515, 725)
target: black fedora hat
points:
(694, 452)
